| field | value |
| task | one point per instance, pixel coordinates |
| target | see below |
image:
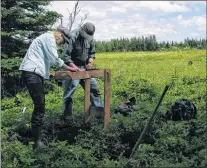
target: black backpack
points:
(182, 109)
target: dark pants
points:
(35, 86)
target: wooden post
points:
(106, 97)
(87, 75)
(87, 99)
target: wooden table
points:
(86, 75)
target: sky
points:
(167, 20)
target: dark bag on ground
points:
(182, 109)
(126, 108)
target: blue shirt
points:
(41, 54)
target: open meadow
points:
(142, 75)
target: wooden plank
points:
(87, 99)
(107, 80)
(79, 75)
(71, 75)
(96, 73)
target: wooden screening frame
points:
(86, 75)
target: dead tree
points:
(72, 16)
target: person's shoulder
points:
(49, 36)
(75, 32)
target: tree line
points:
(147, 44)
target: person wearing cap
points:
(35, 67)
(79, 53)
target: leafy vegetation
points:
(139, 74)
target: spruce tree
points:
(21, 22)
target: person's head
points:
(87, 31)
(62, 35)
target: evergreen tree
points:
(133, 42)
(167, 45)
(107, 46)
(143, 46)
(100, 47)
(21, 22)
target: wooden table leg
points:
(106, 97)
(87, 99)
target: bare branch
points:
(72, 15)
(83, 19)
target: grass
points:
(140, 74)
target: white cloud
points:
(94, 12)
(62, 6)
(117, 9)
(115, 19)
(163, 6)
(114, 28)
(179, 17)
(159, 6)
(195, 34)
(199, 21)
(190, 2)
(126, 4)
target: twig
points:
(72, 15)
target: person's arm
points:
(66, 55)
(91, 55)
(69, 68)
(51, 51)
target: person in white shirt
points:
(35, 68)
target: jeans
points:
(69, 87)
(35, 85)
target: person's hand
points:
(89, 65)
(81, 69)
(71, 69)
(52, 74)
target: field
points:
(133, 72)
(140, 74)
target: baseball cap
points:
(65, 32)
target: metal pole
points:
(148, 124)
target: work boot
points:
(36, 134)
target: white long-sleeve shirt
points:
(41, 54)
